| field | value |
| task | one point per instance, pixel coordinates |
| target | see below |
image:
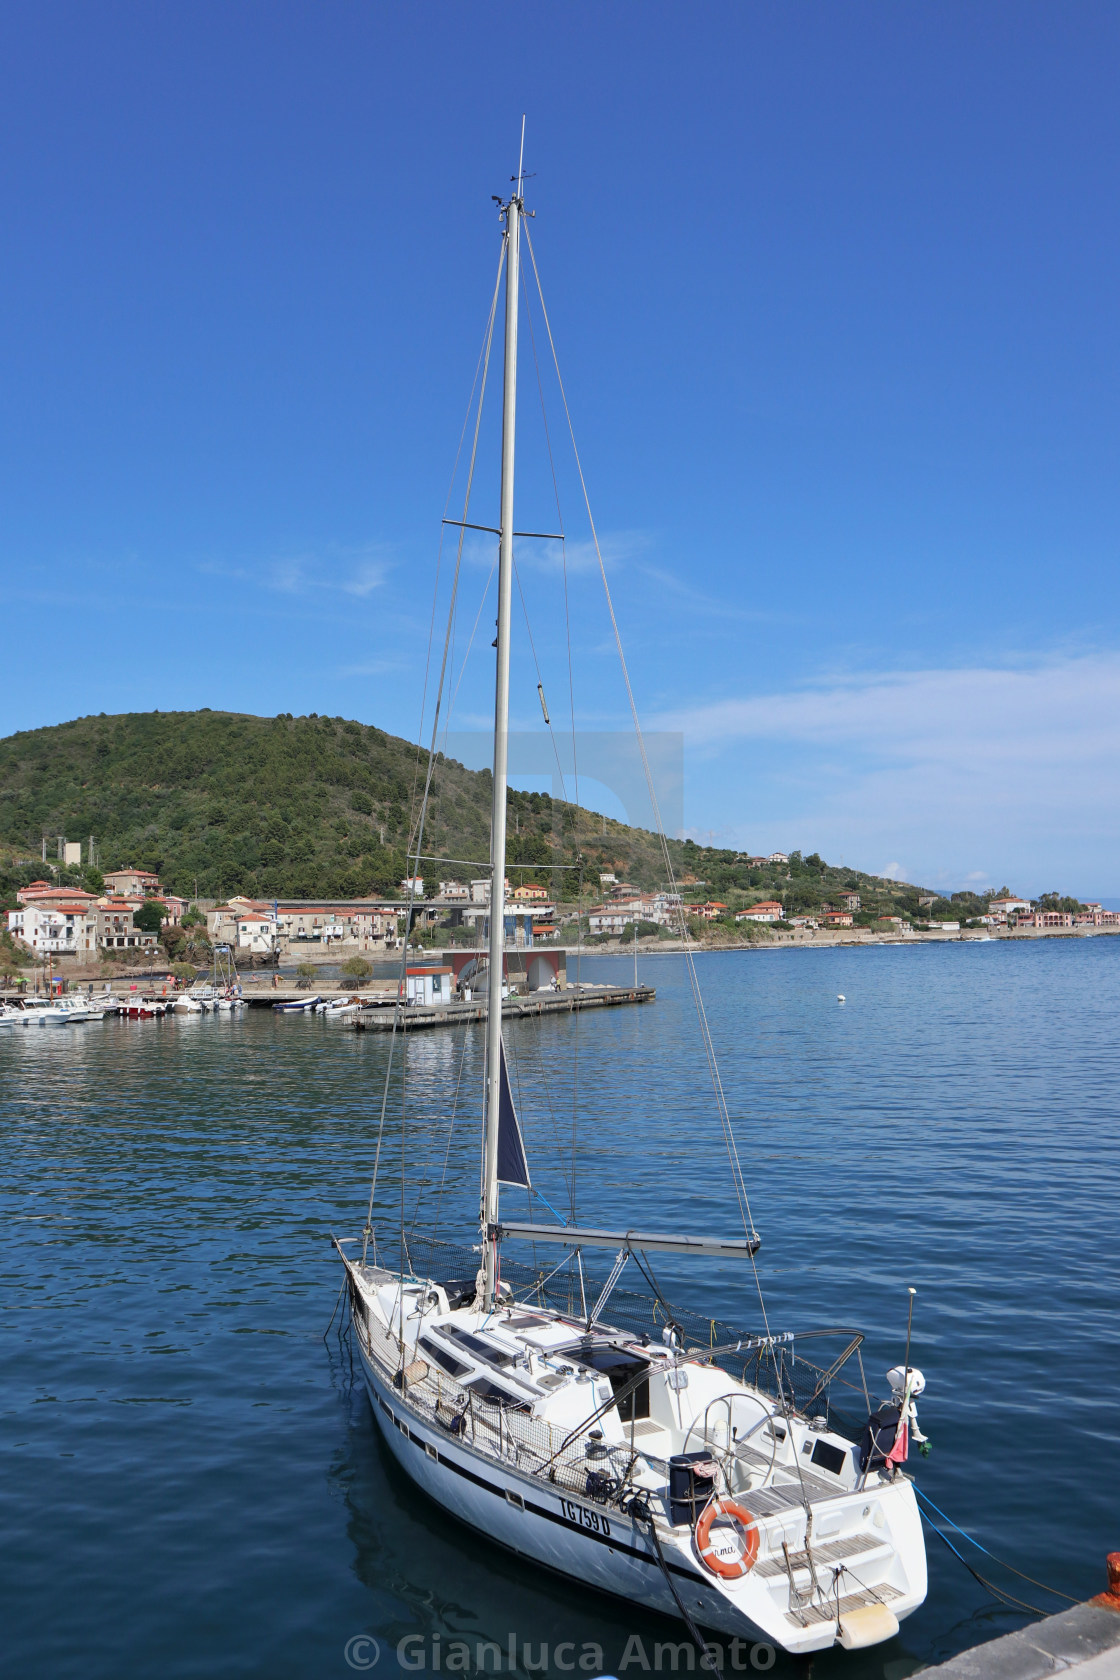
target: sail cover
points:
(512, 1165)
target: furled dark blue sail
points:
(512, 1165)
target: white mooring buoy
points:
(840, 998)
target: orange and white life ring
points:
(730, 1554)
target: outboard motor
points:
(905, 1388)
(888, 1432)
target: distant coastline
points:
(808, 940)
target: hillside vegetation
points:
(320, 807)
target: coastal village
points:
(134, 921)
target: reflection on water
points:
(188, 1459)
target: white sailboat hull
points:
(603, 1547)
(615, 1557)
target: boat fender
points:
(728, 1556)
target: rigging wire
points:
(467, 654)
(694, 979)
(483, 358)
(721, 1100)
(572, 713)
(540, 681)
(450, 1133)
(419, 835)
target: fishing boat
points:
(298, 1006)
(695, 1468)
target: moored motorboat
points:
(338, 1008)
(145, 1008)
(45, 1013)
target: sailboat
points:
(677, 1463)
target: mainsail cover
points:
(512, 1165)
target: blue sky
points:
(834, 290)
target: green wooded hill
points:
(321, 807)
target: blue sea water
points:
(192, 1486)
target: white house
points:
(256, 932)
(611, 918)
(620, 912)
(1008, 906)
(778, 857)
(58, 927)
(413, 885)
(454, 892)
(429, 985)
(768, 911)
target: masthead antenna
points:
(521, 160)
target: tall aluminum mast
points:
(489, 1209)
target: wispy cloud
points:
(966, 773)
(1038, 714)
(686, 589)
(618, 548)
(343, 571)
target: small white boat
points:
(187, 1005)
(79, 1009)
(335, 1007)
(46, 1014)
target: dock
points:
(527, 1007)
(1084, 1641)
(379, 1008)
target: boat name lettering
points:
(583, 1518)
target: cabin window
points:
(829, 1458)
(454, 1367)
(495, 1396)
(481, 1349)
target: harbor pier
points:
(1084, 1641)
